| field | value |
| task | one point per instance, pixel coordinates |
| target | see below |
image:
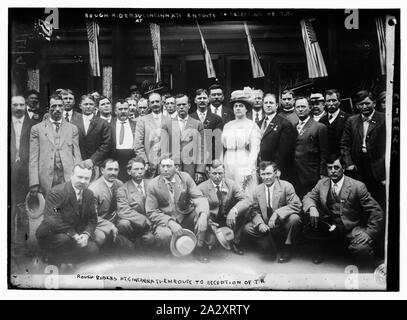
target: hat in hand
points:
(183, 244)
(224, 235)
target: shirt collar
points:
(18, 119)
(138, 184)
(89, 117)
(155, 115)
(339, 183)
(203, 113)
(125, 121)
(270, 117)
(213, 108)
(288, 110)
(55, 121)
(106, 118)
(369, 117)
(109, 184)
(70, 112)
(77, 191)
(305, 120)
(335, 114)
(174, 115)
(169, 181)
(186, 118)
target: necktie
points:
(219, 195)
(330, 117)
(299, 126)
(170, 187)
(67, 116)
(79, 198)
(257, 117)
(265, 124)
(182, 124)
(140, 189)
(57, 126)
(121, 139)
(269, 206)
(202, 117)
(113, 200)
(334, 190)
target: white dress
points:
(241, 139)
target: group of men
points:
(153, 171)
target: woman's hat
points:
(242, 97)
(183, 244)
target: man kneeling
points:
(275, 212)
(341, 208)
(66, 233)
(175, 202)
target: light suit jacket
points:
(161, 207)
(357, 207)
(284, 202)
(42, 152)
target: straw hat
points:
(183, 244)
(224, 235)
(34, 206)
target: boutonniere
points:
(301, 132)
(275, 127)
(224, 190)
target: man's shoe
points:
(201, 254)
(236, 250)
(285, 255)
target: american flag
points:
(155, 37)
(254, 59)
(92, 28)
(315, 61)
(381, 37)
(210, 70)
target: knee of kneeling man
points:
(92, 248)
(123, 224)
(294, 219)
(360, 249)
(100, 237)
(163, 236)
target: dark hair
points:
(33, 91)
(55, 97)
(216, 164)
(137, 159)
(265, 164)
(363, 94)
(102, 98)
(215, 87)
(333, 157)
(331, 92)
(82, 165)
(302, 97)
(181, 95)
(106, 161)
(198, 92)
(152, 94)
(288, 91)
(67, 91)
(270, 95)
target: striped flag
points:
(155, 37)
(254, 59)
(315, 60)
(92, 28)
(44, 28)
(381, 37)
(210, 70)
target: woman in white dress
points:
(241, 139)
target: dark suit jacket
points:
(96, 143)
(284, 202)
(335, 131)
(113, 124)
(62, 213)
(278, 143)
(357, 205)
(290, 116)
(19, 169)
(352, 138)
(227, 114)
(104, 197)
(311, 152)
(213, 131)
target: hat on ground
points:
(34, 206)
(242, 97)
(183, 244)
(224, 235)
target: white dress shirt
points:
(337, 186)
(267, 120)
(182, 123)
(334, 115)
(157, 118)
(318, 117)
(266, 188)
(54, 125)
(18, 126)
(259, 115)
(78, 192)
(128, 135)
(141, 185)
(108, 119)
(70, 113)
(301, 124)
(108, 183)
(202, 115)
(217, 111)
(86, 121)
(365, 128)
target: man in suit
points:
(317, 103)
(228, 205)
(133, 111)
(257, 113)
(212, 127)
(70, 218)
(34, 111)
(311, 149)
(216, 98)
(94, 133)
(131, 198)
(54, 149)
(334, 120)
(170, 108)
(175, 202)
(70, 115)
(341, 209)
(287, 101)
(186, 140)
(148, 136)
(363, 145)
(275, 213)
(105, 192)
(104, 109)
(278, 139)
(122, 138)
(19, 156)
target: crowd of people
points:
(149, 173)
